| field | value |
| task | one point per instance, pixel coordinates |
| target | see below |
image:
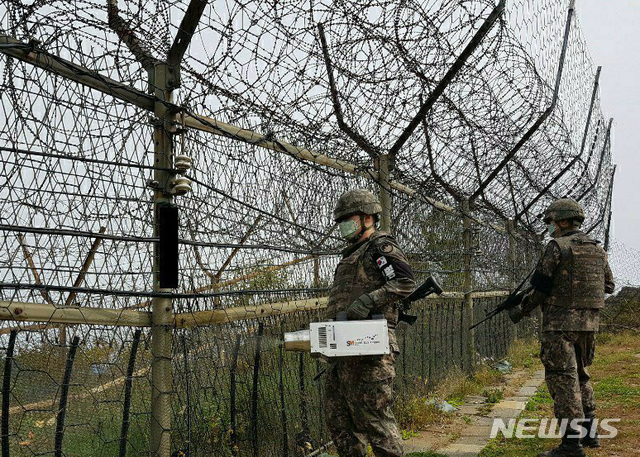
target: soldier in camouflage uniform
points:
(569, 284)
(372, 275)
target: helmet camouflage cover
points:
(564, 208)
(356, 201)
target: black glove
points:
(516, 314)
(360, 309)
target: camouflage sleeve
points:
(609, 285)
(542, 279)
(398, 274)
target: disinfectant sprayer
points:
(342, 338)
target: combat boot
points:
(569, 447)
(590, 441)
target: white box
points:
(350, 338)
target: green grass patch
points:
(614, 388)
(485, 409)
(456, 402)
(541, 398)
(503, 447)
(524, 353)
(493, 395)
(408, 434)
(617, 393)
(457, 386)
(425, 454)
(416, 414)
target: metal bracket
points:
(34, 44)
(153, 184)
(173, 82)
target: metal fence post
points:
(161, 333)
(6, 394)
(511, 260)
(467, 288)
(608, 203)
(385, 195)
(64, 397)
(128, 384)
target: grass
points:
(493, 395)
(425, 454)
(524, 354)
(616, 384)
(416, 414)
(457, 386)
(617, 388)
(412, 454)
(538, 401)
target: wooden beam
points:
(44, 312)
(85, 267)
(62, 331)
(236, 250)
(222, 316)
(32, 266)
(202, 265)
(236, 313)
(287, 203)
(258, 273)
(6, 331)
(207, 124)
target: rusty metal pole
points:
(161, 308)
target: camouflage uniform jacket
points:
(569, 283)
(377, 267)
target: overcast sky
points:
(612, 31)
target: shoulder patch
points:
(382, 261)
(386, 247)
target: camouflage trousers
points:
(359, 395)
(565, 356)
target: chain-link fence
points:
(168, 175)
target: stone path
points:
(475, 436)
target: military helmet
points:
(356, 201)
(564, 208)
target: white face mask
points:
(348, 229)
(551, 228)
